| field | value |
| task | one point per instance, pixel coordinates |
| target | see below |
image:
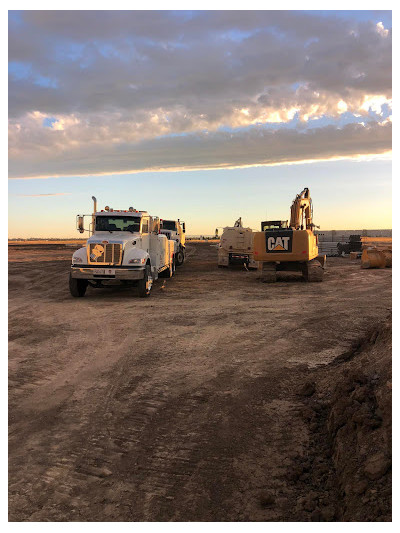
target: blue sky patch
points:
(49, 121)
(19, 70)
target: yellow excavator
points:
(280, 246)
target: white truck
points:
(175, 231)
(126, 247)
(236, 246)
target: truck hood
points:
(116, 237)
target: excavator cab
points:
(274, 225)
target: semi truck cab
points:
(175, 231)
(126, 247)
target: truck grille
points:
(105, 254)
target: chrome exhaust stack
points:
(94, 211)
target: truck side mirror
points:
(80, 227)
(183, 227)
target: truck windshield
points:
(169, 224)
(118, 223)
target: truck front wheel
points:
(145, 284)
(77, 287)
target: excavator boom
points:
(301, 206)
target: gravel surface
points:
(181, 407)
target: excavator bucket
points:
(373, 258)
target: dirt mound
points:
(350, 410)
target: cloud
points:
(254, 146)
(114, 88)
(46, 194)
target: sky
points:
(199, 115)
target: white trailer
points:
(236, 246)
(126, 247)
(175, 231)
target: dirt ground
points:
(351, 410)
(212, 400)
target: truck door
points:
(145, 235)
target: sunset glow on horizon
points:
(199, 115)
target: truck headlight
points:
(76, 260)
(137, 261)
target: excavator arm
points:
(301, 205)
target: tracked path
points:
(181, 407)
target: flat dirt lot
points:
(184, 406)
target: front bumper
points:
(121, 273)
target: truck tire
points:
(145, 284)
(179, 257)
(77, 287)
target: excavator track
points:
(313, 271)
(268, 273)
